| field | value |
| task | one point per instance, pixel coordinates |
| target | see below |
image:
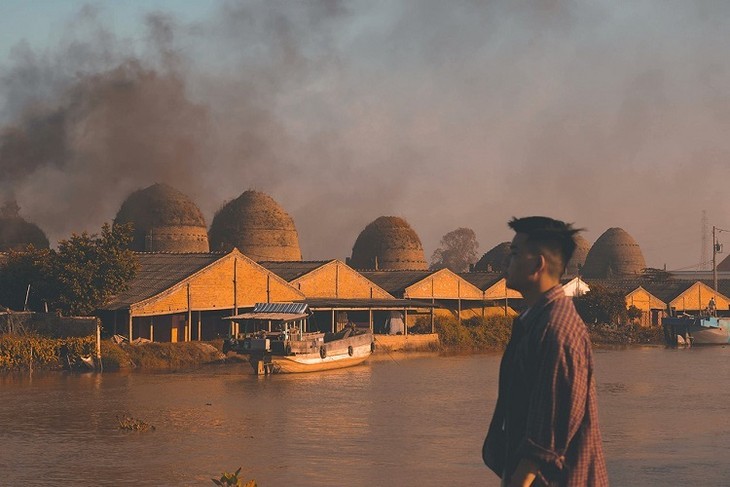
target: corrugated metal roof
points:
(274, 311)
(290, 270)
(396, 282)
(267, 316)
(291, 308)
(158, 272)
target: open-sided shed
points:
(181, 297)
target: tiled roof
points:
(664, 290)
(158, 272)
(290, 270)
(396, 282)
(482, 280)
(332, 303)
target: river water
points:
(400, 421)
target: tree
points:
(601, 305)
(457, 251)
(76, 279)
(90, 269)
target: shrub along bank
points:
(23, 352)
(157, 355)
(474, 334)
(492, 333)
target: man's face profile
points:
(522, 263)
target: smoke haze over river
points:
(447, 114)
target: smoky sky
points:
(449, 114)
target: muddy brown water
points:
(411, 421)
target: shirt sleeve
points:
(557, 402)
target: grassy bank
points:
(492, 333)
(603, 334)
(22, 352)
(474, 334)
(155, 355)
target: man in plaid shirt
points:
(545, 425)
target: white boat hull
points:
(294, 364)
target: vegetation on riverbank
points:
(157, 355)
(492, 333)
(474, 334)
(21, 352)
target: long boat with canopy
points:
(276, 339)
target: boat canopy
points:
(274, 312)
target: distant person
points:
(712, 306)
(545, 425)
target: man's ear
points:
(540, 264)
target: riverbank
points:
(471, 336)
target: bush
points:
(606, 334)
(474, 334)
(113, 357)
(18, 352)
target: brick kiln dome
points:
(495, 260)
(576, 263)
(388, 242)
(614, 254)
(256, 225)
(724, 265)
(17, 234)
(165, 220)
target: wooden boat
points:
(283, 346)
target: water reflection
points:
(416, 421)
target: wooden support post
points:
(199, 327)
(370, 316)
(130, 325)
(432, 320)
(458, 295)
(189, 321)
(405, 321)
(333, 320)
(234, 324)
(98, 364)
(152, 329)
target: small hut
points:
(16, 233)
(256, 225)
(165, 220)
(389, 242)
(615, 254)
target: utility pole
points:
(703, 253)
(716, 249)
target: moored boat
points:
(696, 330)
(284, 345)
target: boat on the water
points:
(279, 342)
(696, 330)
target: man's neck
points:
(533, 294)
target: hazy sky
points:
(449, 114)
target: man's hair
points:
(548, 236)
